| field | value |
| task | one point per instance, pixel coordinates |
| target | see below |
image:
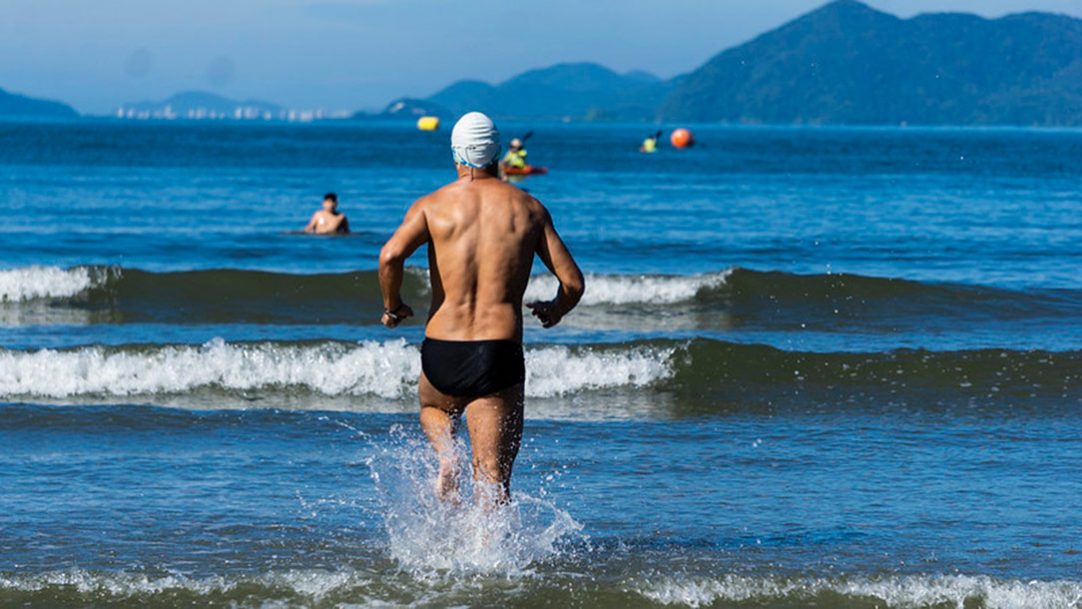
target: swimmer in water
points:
(482, 235)
(328, 221)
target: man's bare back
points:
(482, 235)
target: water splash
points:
(430, 538)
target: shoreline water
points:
(813, 366)
(312, 532)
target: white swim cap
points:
(475, 141)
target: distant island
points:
(14, 105)
(577, 91)
(843, 64)
(201, 105)
(564, 92)
(406, 108)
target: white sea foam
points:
(310, 583)
(384, 369)
(553, 371)
(331, 369)
(38, 282)
(50, 282)
(302, 587)
(896, 592)
(114, 584)
(632, 289)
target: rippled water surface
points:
(813, 367)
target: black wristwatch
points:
(392, 312)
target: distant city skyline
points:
(359, 54)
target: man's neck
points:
(477, 174)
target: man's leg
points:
(495, 424)
(439, 418)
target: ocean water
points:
(813, 367)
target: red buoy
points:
(682, 138)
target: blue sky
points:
(349, 54)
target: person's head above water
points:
(516, 144)
(330, 202)
(475, 141)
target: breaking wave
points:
(117, 295)
(634, 289)
(362, 587)
(384, 369)
(49, 282)
(704, 376)
(897, 592)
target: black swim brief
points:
(473, 368)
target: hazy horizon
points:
(360, 54)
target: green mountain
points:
(847, 63)
(844, 63)
(14, 105)
(570, 91)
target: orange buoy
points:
(682, 138)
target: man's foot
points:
(490, 495)
(447, 481)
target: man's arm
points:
(312, 223)
(555, 255)
(392, 259)
(335, 222)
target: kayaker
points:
(649, 145)
(515, 157)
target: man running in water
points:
(482, 235)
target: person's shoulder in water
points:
(328, 220)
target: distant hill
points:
(14, 105)
(202, 105)
(575, 91)
(847, 63)
(406, 108)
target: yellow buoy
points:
(428, 123)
